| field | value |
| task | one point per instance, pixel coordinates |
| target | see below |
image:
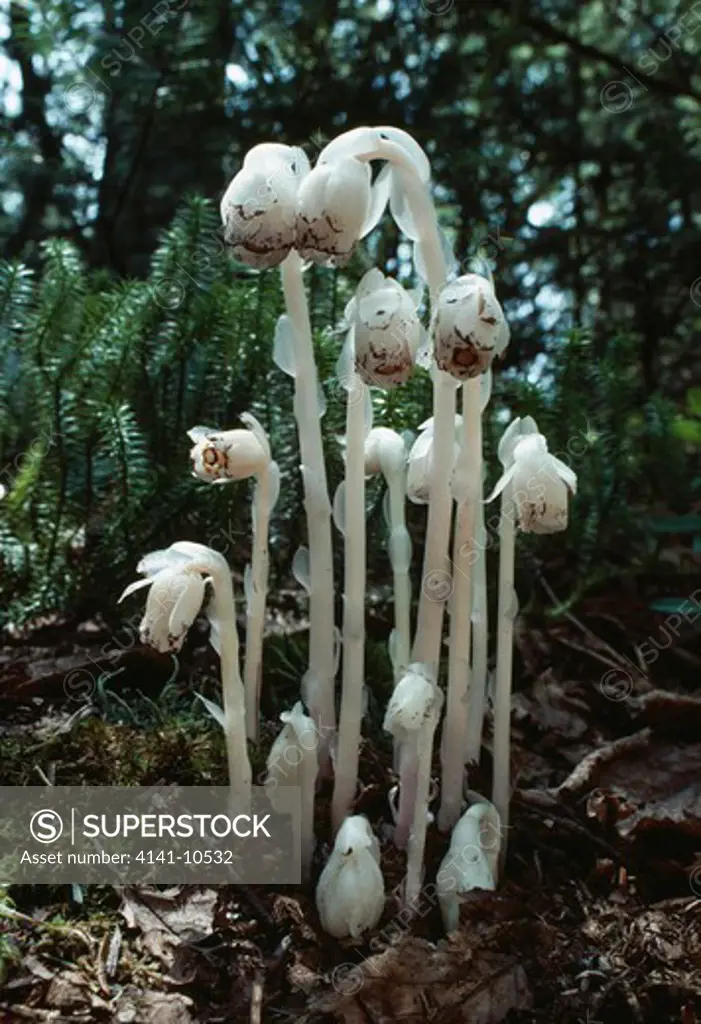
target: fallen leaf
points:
(67, 991)
(169, 918)
(449, 983)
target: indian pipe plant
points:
(280, 212)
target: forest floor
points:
(598, 918)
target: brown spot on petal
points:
(466, 357)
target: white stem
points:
(255, 611)
(348, 749)
(455, 719)
(417, 837)
(407, 755)
(402, 578)
(505, 640)
(308, 798)
(318, 510)
(233, 699)
(436, 566)
(480, 641)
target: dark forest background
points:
(565, 140)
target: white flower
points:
(332, 208)
(518, 428)
(258, 209)
(292, 760)
(471, 861)
(386, 330)
(469, 327)
(414, 700)
(385, 452)
(420, 462)
(540, 484)
(222, 456)
(177, 577)
(350, 895)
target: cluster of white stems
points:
(278, 211)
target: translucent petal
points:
(274, 474)
(346, 358)
(339, 507)
(187, 605)
(567, 474)
(416, 295)
(155, 561)
(200, 433)
(501, 483)
(248, 585)
(215, 711)
(370, 282)
(284, 346)
(386, 509)
(137, 585)
(420, 262)
(400, 210)
(321, 399)
(257, 430)
(392, 648)
(378, 200)
(451, 263)
(300, 568)
(337, 646)
(508, 441)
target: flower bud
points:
(420, 462)
(540, 483)
(332, 207)
(221, 456)
(469, 327)
(386, 331)
(385, 452)
(414, 699)
(350, 895)
(471, 861)
(258, 209)
(173, 603)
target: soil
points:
(597, 919)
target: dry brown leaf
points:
(68, 990)
(137, 1007)
(414, 980)
(167, 919)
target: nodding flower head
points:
(420, 463)
(350, 895)
(415, 699)
(177, 578)
(258, 209)
(541, 483)
(469, 327)
(332, 208)
(386, 330)
(222, 456)
(385, 452)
